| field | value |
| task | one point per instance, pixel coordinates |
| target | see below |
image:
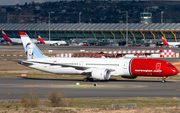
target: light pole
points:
(7, 17)
(49, 24)
(127, 28)
(80, 17)
(162, 16)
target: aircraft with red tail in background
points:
(55, 43)
(14, 40)
(173, 44)
(95, 68)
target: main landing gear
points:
(163, 79)
(88, 79)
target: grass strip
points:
(100, 103)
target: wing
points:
(84, 68)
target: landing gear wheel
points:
(88, 79)
(163, 81)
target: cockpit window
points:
(170, 66)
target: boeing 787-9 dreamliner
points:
(95, 68)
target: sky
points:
(21, 2)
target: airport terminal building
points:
(97, 33)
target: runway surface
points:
(12, 88)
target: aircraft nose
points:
(175, 71)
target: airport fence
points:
(105, 105)
(140, 103)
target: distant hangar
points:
(95, 31)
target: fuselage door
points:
(81, 63)
(125, 65)
(158, 66)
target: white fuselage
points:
(55, 42)
(120, 66)
(174, 43)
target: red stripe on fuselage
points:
(151, 67)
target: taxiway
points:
(13, 88)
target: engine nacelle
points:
(102, 74)
(129, 77)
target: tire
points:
(163, 81)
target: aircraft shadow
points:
(115, 80)
(51, 79)
(80, 80)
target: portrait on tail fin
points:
(30, 48)
(29, 51)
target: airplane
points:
(14, 40)
(55, 43)
(95, 68)
(170, 43)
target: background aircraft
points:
(96, 68)
(170, 43)
(14, 40)
(55, 43)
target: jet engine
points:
(102, 74)
(129, 77)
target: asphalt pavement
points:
(13, 88)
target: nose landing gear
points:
(163, 79)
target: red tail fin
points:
(41, 40)
(6, 37)
(164, 41)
